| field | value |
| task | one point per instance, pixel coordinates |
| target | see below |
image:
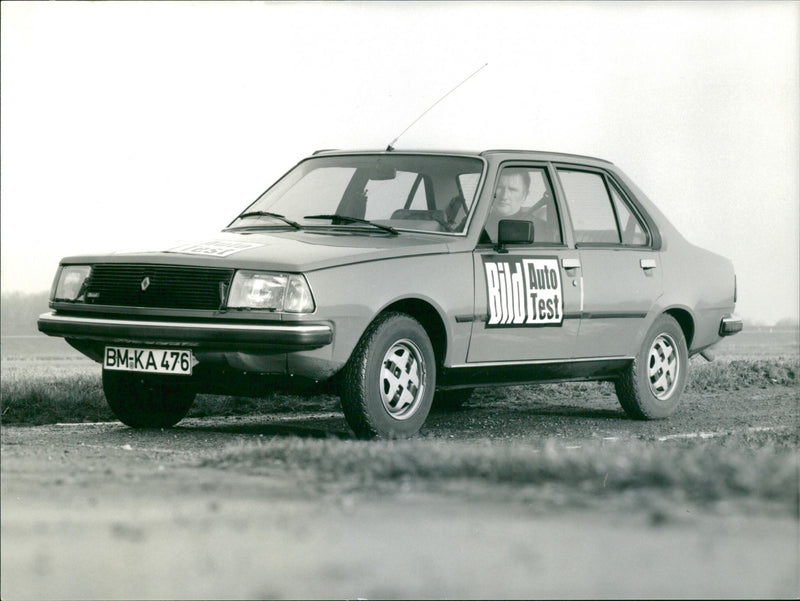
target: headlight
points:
(71, 280)
(271, 291)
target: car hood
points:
(294, 251)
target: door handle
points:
(571, 263)
(647, 263)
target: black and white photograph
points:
(399, 300)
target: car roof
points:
(538, 155)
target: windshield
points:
(403, 192)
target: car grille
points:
(162, 286)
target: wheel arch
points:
(429, 317)
(685, 320)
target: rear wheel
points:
(388, 384)
(652, 386)
(144, 401)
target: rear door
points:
(527, 297)
(620, 270)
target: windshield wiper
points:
(385, 228)
(287, 221)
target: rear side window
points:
(599, 213)
(633, 234)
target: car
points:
(405, 279)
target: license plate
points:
(159, 361)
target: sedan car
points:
(406, 279)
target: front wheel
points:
(652, 386)
(388, 384)
(144, 401)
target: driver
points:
(512, 189)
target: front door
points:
(527, 297)
(528, 305)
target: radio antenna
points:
(390, 147)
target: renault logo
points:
(145, 283)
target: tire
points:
(142, 401)
(389, 381)
(652, 386)
(451, 400)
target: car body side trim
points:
(575, 315)
(538, 362)
(613, 315)
(517, 372)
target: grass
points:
(743, 373)
(757, 467)
(38, 392)
(75, 398)
(37, 396)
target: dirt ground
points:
(105, 512)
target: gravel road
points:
(103, 511)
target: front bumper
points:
(295, 336)
(730, 325)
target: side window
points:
(525, 193)
(590, 207)
(631, 228)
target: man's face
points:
(510, 193)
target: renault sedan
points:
(406, 279)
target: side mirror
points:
(513, 231)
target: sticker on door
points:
(523, 292)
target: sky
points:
(134, 125)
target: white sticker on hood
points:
(213, 248)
